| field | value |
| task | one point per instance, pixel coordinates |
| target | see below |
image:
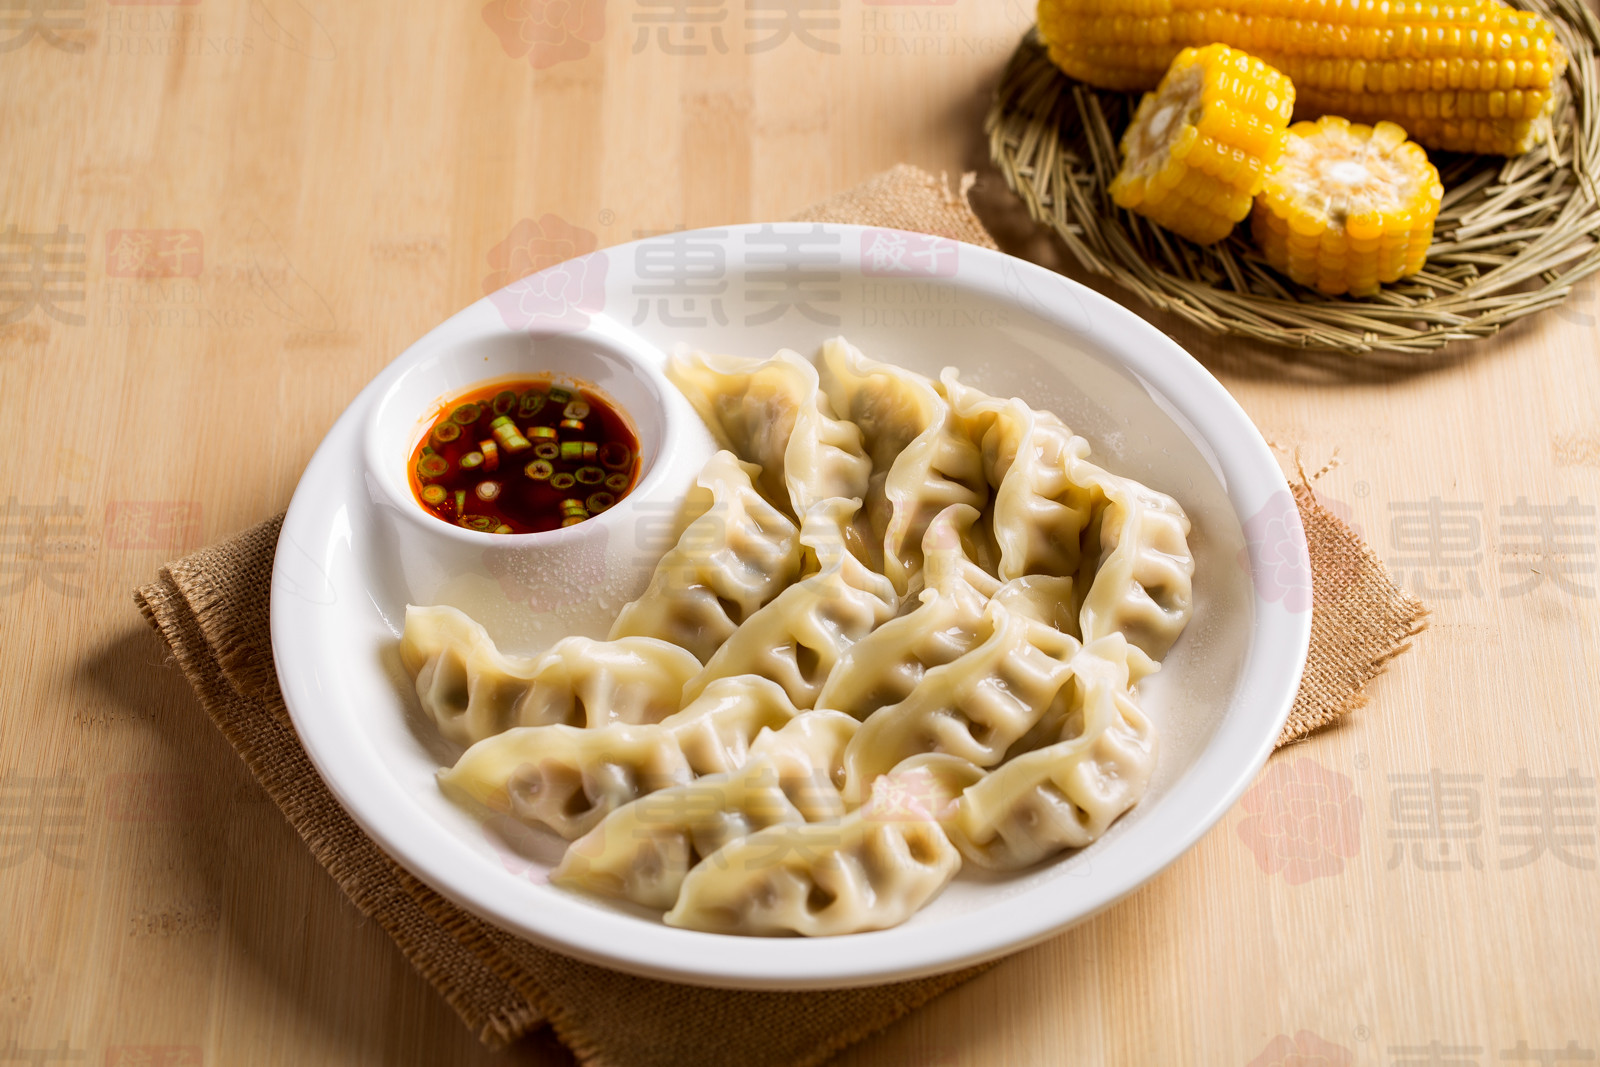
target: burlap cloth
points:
(211, 609)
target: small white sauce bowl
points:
(532, 589)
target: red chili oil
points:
(524, 457)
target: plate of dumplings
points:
(949, 602)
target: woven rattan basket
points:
(1513, 236)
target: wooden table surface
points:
(317, 184)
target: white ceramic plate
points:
(353, 552)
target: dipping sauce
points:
(524, 457)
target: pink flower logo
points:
(1303, 820)
(1304, 1049)
(546, 31)
(1275, 553)
(546, 276)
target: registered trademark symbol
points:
(1362, 489)
(1361, 1032)
(1362, 762)
(607, 216)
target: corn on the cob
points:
(1348, 206)
(1471, 76)
(1200, 146)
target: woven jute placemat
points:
(211, 610)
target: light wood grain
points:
(350, 167)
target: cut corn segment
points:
(1200, 146)
(1348, 206)
(1472, 76)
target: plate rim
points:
(788, 964)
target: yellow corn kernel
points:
(1468, 75)
(1200, 146)
(1348, 206)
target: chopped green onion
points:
(539, 470)
(471, 460)
(461, 501)
(542, 433)
(532, 404)
(617, 457)
(573, 520)
(560, 395)
(503, 402)
(434, 495)
(481, 523)
(466, 414)
(547, 450)
(487, 491)
(510, 438)
(503, 529)
(572, 506)
(428, 450)
(562, 481)
(576, 410)
(446, 432)
(575, 425)
(590, 475)
(434, 466)
(617, 483)
(599, 501)
(577, 451)
(491, 455)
